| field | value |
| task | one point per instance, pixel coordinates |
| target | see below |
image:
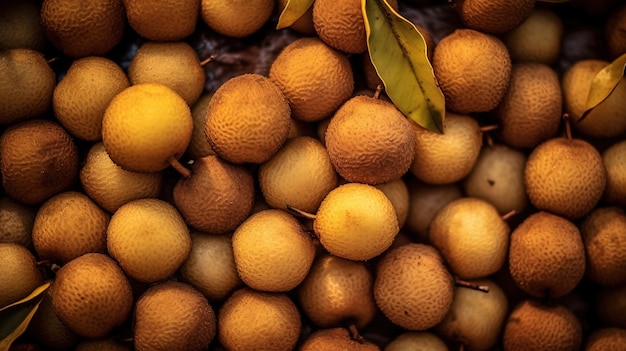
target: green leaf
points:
(15, 317)
(604, 83)
(398, 52)
(292, 12)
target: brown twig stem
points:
(299, 212)
(173, 161)
(470, 285)
(508, 215)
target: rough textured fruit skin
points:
(315, 78)
(173, 64)
(217, 280)
(149, 239)
(546, 255)
(565, 177)
(145, 137)
(146, 18)
(614, 160)
(340, 25)
(370, 141)
(199, 145)
(236, 18)
(495, 17)
(424, 202)
(17, 222)
(337, 290)
(604, 237)
(398, 193)
(91, 295)
(532, 326)
(20, 25)
(413, 287)
(335, 339)
(530, 112)
(111, 186)
(272, 251)
(475, 318)
(251, 319)
(449, 157)
(472, 69)
(38, 159)
(247, 119)
(19, 275)
(522, 41)
(471, 236)
(418, 341)
(81, 97)
(614, 32)
(26, 85)
(300, 174)
(606, 339)
(69, 225)
(356, 221)
(47, 329)
(216, 197)
(173, 316)
(83, 28)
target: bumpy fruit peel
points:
(14, 318)
(399, 55)
(604, 83)
(294, 9)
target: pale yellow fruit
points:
(210, 267)
(613, 339)
(173, 64)
(565, 176)
(272, 251)
(496, 17)
(69, 225)
(425, 200)
(412, 287)
(149, 239)
(471, 236)
(530, 112)
(80, 28)
(337, 290)
(111, 186)
(258, 320)
(614, 160)
(315, 78)
(146, 137)
(300, 174)
(532, 326)
(26, 85)
(614, 32)
(247, 119)
(304, 24)
(472, 69)
(416, 341)
(607, 119)
(19, 275)
(546, 255)
(173, 316)
(336, 339)
(611, 306)
(20, 25)
(356, 221)
(398, 192)
(537, 39)
(604, 236)
(449, 157)
(82, 96)
(199, 145)
(236, 18)
(370, 141)
(475, 318)
(17, 222)
(91, 295)
(163, 20)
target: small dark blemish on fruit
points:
(491, 182)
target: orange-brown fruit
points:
(398, 193)
(38, 159)
(337, 339)
(565, 176)
(173, 316)
(472, 69)
(107, 343)
(425, 200)
(615, 32)
(546, 255)
(417, 341)
(83, 28)
(412, 287)
(216, 197)
(537, 39)
(370, 141)
(19, 275)
(238, 18)
(20, 25)
(532, 326)
(304, 24)
(605, 339)
(610, 305)
(199, 146)
(614, 159)
(162, 20)
(495, 17)
(17, 222)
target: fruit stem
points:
(508, 215)
(354, 334)
(462, 347)
(207, 60)
(568, 127)
(469, 285)
(379, 89)
(300, 212)
(489, 140)
(489, 128)
(52, 60)
(179, 167)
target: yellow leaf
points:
(15, 317)
(292, 12)
(604, 83)
(398, 52)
